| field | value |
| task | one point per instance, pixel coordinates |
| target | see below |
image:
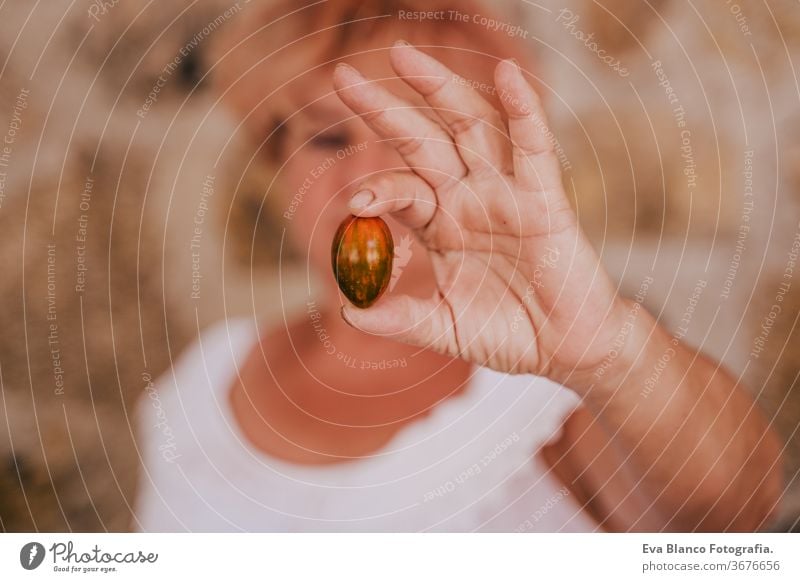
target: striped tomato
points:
(361, 256)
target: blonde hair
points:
(257, 53)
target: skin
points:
(294, 400)
(479, 186)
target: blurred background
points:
(679, 130)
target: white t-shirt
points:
(471, 465)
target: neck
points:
(308, 405)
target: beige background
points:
(70, 462)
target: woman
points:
(500, 385)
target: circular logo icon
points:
(31, 555)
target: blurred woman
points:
(502, 384)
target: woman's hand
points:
(520, 289)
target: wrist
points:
(637, 344)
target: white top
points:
(471, 465)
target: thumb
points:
(426, 323)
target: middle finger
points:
(477, 127)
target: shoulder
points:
(217, 349)
(182, 428)
(535, 403)
(191, 390)
(228, 337)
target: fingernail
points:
(361, 199)
(341, 312)
(516, 63)
(346, 67)
(401, 42)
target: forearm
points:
(693, 440)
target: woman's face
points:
(328, 152)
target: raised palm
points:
(519, 289)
